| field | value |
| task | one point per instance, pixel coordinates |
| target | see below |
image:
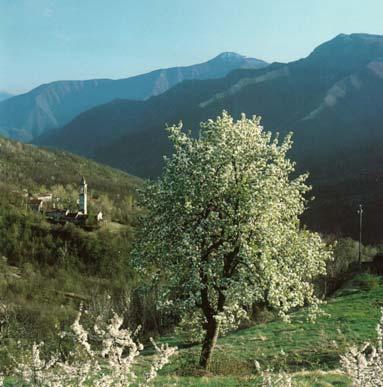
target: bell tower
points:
(83, 197)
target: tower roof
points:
(83, 181)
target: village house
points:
(35, 204)
(40, 202)
(44, 203)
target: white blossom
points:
(221, 226)
(365, 365)
(111, 366)
(281, 379)
(164, 352)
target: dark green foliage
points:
(26, 237)
(367, 281)
(25, 168)
(344, 265)
(47, 270)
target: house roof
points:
(75, 215)
(35, 201)
(44, 195)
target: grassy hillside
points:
(29, 167)
(309, 351)
(46, 269)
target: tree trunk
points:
(211, 335)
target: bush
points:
(263, 316)
(110, 364)
(367, 281)
(344, 264)
(365, 365)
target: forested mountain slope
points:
(332, 101)
(27, 169)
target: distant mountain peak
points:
(354, 37)
(361, 35)
(228, 55)
(348, 52)
(229, 58)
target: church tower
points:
(83, 200)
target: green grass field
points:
(308, 351)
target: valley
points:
(331, 101)
(174, 217)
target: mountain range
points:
(4, 95)
(53, 105)
(332, 100)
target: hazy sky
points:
(46, 40)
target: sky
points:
(46, 40)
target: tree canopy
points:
(221, 227)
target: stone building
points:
(39, 202)
(58, 215)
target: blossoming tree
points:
(111, 364)
(221, 226)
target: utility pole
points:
(360, 212)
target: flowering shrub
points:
(365, 365)
(4, 320)
(270, 379)
(109, 365)
(33, 369)
(276, 380)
